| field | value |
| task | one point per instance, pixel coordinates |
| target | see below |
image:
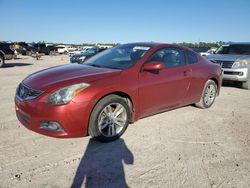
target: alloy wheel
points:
(112, 119)
(210, 94)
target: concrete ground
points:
(187, 147)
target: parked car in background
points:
(6, 52)
(209, 52)
(62, 49)
(81, 50)
(71, 48)
(200, 50)
(120, 85)
(44, 48)
(83, 56)
(25, 49)
(235, 61)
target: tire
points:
(208, 95)
(103, 123)
(246, 85)
(51, 53)
(28, 53)
(1, 61)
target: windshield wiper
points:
(101, 66)
(95, 65)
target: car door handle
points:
(186, 73)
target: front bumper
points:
(241, 74)
(75, 61)
(73, 117)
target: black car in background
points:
(6, 52)
(43, 48)
(83, 56)
(25, 49)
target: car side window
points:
(171, 57)
(192, 58)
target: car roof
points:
(150, 44)
(155, 44)
(238, 43)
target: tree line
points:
(201, 44)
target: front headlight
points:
(242, 63)
(66, 94)
(82, 58)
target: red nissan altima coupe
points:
(114, 88)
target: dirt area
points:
(187, 147)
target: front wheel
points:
(109, 118)
(208, 95)
(1, 61)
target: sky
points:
(122, 21)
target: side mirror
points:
(153, 66)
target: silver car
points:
(235, 61)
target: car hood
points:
(226, 57)
(64, 75)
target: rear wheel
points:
(52, 52)
(28, 53)
(1, 61)
(109, 118)
(246, 85)
(208, 95)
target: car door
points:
(198, 78)
(165, 88)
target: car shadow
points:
(102, 165)
(231, 84)
(18, 58)
(10, 65)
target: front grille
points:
(74, 59)
(234, 73)
(225, 64)
(25, 93)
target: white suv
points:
(62, 50)
(234, 59)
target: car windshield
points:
(239, 49)
(88, 52)
(84, 48)
(92, 50)
(120, 57)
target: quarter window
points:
(192, 58)
(171, 57)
